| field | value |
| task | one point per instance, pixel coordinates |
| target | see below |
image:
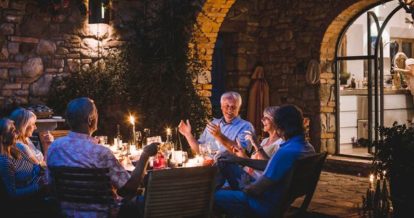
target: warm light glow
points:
(100, 29)
(168, 130)
(384, 173)
(132, 119)
(371, 178)
(102, 10)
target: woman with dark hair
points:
(23, 183)
(19, 175)
(259, 198)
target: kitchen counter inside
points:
(365, 91)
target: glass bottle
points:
(138, 135)
(147, 134)
(118, 137)
(353, 83)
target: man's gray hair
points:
(233, 95)
(78, 112)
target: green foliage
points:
(153, 78)
(395, 151)
(103, 82)
(161, 75)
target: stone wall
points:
(285, 36)
(36, 45)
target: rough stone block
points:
(331, 146)
(7, 29)
(24, 39)
(14, 18)
(52, 70)
(33, 68)
(10, 65)
(58, 63)
(13, 47)
(62, 51)
(15, 72)
(22, 92)
(73, 65)
(41, 86)
(46, 47)
(4, 75)
(12, 86)
(18, 5)
(7, 93)
(4, 4)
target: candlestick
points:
(132, 121)
(371, 181)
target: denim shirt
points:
(234, 129)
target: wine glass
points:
(185, 156)
(212, 149)
(203, 149)
(166, 149)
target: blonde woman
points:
(25, 122)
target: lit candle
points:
(102, 11)
(132, 121)
(168, 131)
(371, 181)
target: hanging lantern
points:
(98, 11)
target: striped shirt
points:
(20, 176)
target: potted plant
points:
(343, 77)
(394, 154)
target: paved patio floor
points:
(337, 195)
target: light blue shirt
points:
(234, 129)
(278, 166)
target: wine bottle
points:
(118, 137)
(146, 135)
(138, 136)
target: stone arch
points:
(207, 26)
(327, 55)
(209, 20)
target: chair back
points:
(55, 133)
(180, 192)
(82, 185)
(301, 181)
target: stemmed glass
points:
(212, 149)
(166, 149)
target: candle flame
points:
(371, 178)
(132, 119)
(102, 11)
(168, 130)
(384, 172)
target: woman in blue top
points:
(23, 184)
(19, 176)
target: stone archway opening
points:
(295, 45)
(329, 102)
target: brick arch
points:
(327, 82)
(206, 29)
